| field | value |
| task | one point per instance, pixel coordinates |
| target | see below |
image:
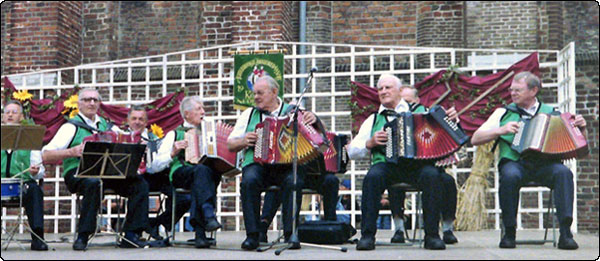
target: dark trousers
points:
(135, 189)
(382, 175)
(448, 203)
(33, 201)
(514, 174)
(202, 181)
(159, 182)
(326, 185)
(255, 178)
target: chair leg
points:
(173, 199)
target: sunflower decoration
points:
(22, 96)
(71, 107)
(157, 130)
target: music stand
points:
(105, 160)
(22, 137)
(294, 241)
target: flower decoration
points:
(157, 130)
(22, 95)
(73, 113)
(71, 107)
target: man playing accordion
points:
(67, 145)
(256, 177)
(515, 170)
(372, 139)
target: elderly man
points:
(157, 172)
(67, 145)
(256, 177)
(516, 171)
(372, 139)
(200, 179)
(397, 196)
(28, 162)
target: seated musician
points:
(27, 162)
(67, 145)
(157, 173)
(371, 138)
(256, 177)
(397, 196)
(200, 179)
(516, 171)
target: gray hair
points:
(137, 108)
(530, 79)
(384, 76)
(272, 83)
(89, 90)
(187, 104)
(13, 102)
(413, 89)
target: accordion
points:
(334, 159)
(208, 146)
(274, 143)
(114, 137)
(429, 136)
(550, 136)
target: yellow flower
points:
(71, 103)
(22, 95)
(73, 113)
(157, 130)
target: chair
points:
(549, 215)
(161, 207)
(406, 187)
(213, 234)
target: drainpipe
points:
(302, 22)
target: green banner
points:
(247, 69)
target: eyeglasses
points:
(89, 99)
(12, 112)
(516, 90)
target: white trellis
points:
(209, 72)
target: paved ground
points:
(471, 245)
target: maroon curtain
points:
(464, 90)
(164, 112)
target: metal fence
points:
(208, 72)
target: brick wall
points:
(439, 24)
(216, 23)
(40, 35)
(261, 21)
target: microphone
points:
(314, 69)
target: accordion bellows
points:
(550, 136)
(274, 143)
(208, 146)
(429, 136)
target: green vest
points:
(180, 157)
(378, 153)
(255, 118)
(80, 133)
(20, 161)
(506, 140)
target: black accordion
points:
(334, 159)
(427, 136)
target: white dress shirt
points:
(66, 133)
(358, 146)
(163, 158)
(493, 122)
(239, 130)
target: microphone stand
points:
(294, 241)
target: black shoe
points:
(449, 237)
(262, 237)
(398, 237)
(250, 244)
(38, 245)
(434, 243)
(288, 240)
(212, 225)
(153, 232)
(366, 243)
(508, 242)
(567, 243)
(80, 243)
(202, 243)
(132, 240)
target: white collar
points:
(88, 121)
(401, 107)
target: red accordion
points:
(114, 137)
(550, 136)
(334, 159)
(429, 136)
(274, 144)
